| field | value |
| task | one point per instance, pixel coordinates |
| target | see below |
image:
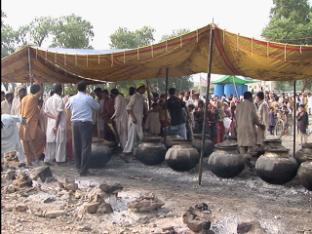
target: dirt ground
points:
(279, 209)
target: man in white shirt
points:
(6, 104)
(135, 109)
(21, 92)
(56, 127)
(82, 106)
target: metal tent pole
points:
(294, 123)
(210, 50)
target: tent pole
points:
(148, 94)
(29, 66)
(210, 50)
(166, 93)
(294, 123)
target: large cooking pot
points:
(272, 143)
(305, 174)
(276, 166)
(152, 139)
(172, 140)
(208, 145)
(225, 161)
(182, 157)
(101, 153)
(150, 153)
(305, 153)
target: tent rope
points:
(235, 86)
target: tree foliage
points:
(175, 33)
(73, 32)
(8, 37)
(37, 31)
(123, 38)
(68, 31)
(290, 22)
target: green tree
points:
(8, 37)
(123, 38)
(175, 33)
(290, 22)
(37, 31)
(72, 32)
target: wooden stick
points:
(294, 123)
(197, 36)
(148, 94)
(29, 66)
(210, 52)
(166, 93)
(75, 59)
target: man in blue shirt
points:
(81, 107)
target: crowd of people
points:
(61, 128)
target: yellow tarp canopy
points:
(185, 55)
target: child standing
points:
(272, 120)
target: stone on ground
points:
(145, 203)
(10, 174)
(198, 218)
(21, 207)
(253, 227)
(22, 180)
(53, 213)
(110, 189)
(67, 184)
(44, 173)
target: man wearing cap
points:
(6, 104)
(135, 109)
(56, 127)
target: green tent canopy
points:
(233, 80)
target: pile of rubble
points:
(41, 194)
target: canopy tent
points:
(232, 80)
(184, 55)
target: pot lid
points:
(227, 145)
(272, 140)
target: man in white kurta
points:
(56, 127)
(20, 92)
(120, 117)
(135, 110)
(263, 115)
(10, 140)
(6, 104)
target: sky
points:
(247, 17)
